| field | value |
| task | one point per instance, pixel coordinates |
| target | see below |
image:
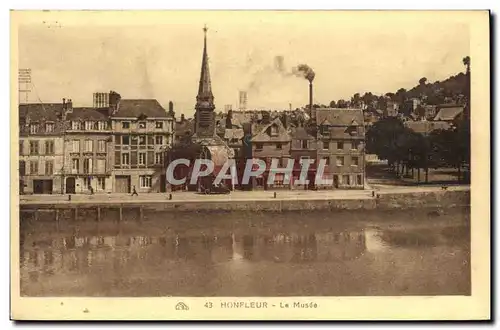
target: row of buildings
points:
(120, 143)
(110, 147)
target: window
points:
(304, 144)
(278, 146)
(34, 128)
(33, 167)
(159, 124)
(33, 147)
(49, 167)
(258, 146)
(234, 140)
(142, 140)
(359, 180)
(326, 145)
(126, 159)
(325, 130)
(21, 147)
(126, 125)
(101, 165)
(340, 161)
(101, 183)
(304, 157)
(87, 165)
(346, 180)
(75, 125)
(75, 145)
(89, 125)
(101, 146)
(88, 147)
(49, 147)
(126, 140)
(87, 182)
(355, 161)
(49, 127)
(159, 139)
(355, 145)
(274, 130)
(340, 145)
(142, 158)
(145, 181)
(159, 158)
(142, 125)
(151, 140)
(75, 165)
(103, 126)
(22, 167)
(327, 160)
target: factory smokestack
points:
(312, 111)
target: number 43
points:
(208, 305)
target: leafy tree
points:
(422, 81)
(333, 104)
(382, 137)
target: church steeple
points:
(205, 98)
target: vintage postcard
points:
(250, 165)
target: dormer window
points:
(75, 125)
(49, 127)
(274, 130)
(142, 125)
(33, 128)
(89, 125)
(126, 125)
(325, 130)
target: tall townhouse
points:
(270, 139)
(40, 148)
(142, 133)
(341, 142)
(303, 146)
(88, 150)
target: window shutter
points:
(118, 159)
(133, 158)
(150, 158)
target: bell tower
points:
(205, 115)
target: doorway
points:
(122, 184)
(42, 186)
(70, 186)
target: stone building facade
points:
(41, 154)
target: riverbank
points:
(383, 198)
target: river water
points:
(338, 253)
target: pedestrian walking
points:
(134, 192)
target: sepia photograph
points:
(265, 162)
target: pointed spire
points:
(205, 98)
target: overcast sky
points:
(159, 55)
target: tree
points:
(466, 62)
(341, 103)
(333, 104)
(381, 139)
(422, 81)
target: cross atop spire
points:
(205, 98)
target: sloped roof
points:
(40, 111)
(181, 128)
(135, 108)
(339, 117)
(86, 114)
(300, 133)
(425, 127)
(260, 134)
(233, 133)
(449, 113)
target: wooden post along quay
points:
(78, 212)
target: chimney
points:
(182, 118)
(114, 102)
(290, 106)
(312, 111)
(229, 118)
(170, 106)
(69, 106)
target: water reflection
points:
(80, 254)
(261, 258)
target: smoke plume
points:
(304, 70)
